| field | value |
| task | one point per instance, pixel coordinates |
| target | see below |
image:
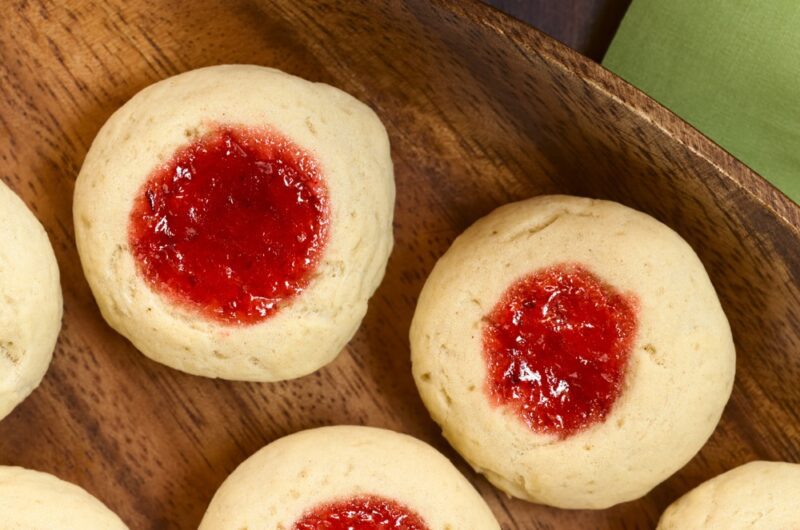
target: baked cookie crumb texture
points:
(233, 221)
(31, 500)
(347, 478)
(572, 350)
(30, 301)
(755, 496)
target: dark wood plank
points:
(481, 110)
(586, 26)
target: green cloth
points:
(731, 68)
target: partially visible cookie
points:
(30, 301)
(756, 496)
(344, 477)
(31, 500)
(572, 350)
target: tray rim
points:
(532, 41)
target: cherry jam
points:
(233, 225)
(361, 513)
(557, 346)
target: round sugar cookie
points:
(347, 478)
(572, 350)
(233, 221)
(30, 301)
(31, 500)
(755, 496)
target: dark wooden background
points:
(586, 26)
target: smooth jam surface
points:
(233, 225)
(361, 513)
(557, 346)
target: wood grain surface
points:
(481, 110)
(586, 26)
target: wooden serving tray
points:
(481, 110)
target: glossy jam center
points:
(557, 347)
(233, 226)
(361, 513)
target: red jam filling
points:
(233, 225)
(557, 347)
(361, 513)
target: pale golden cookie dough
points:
(755, 496)
(352, 148)
(275, 487)
(30, 500)
(679, 376)
(30, 301)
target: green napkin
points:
(731, 68)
